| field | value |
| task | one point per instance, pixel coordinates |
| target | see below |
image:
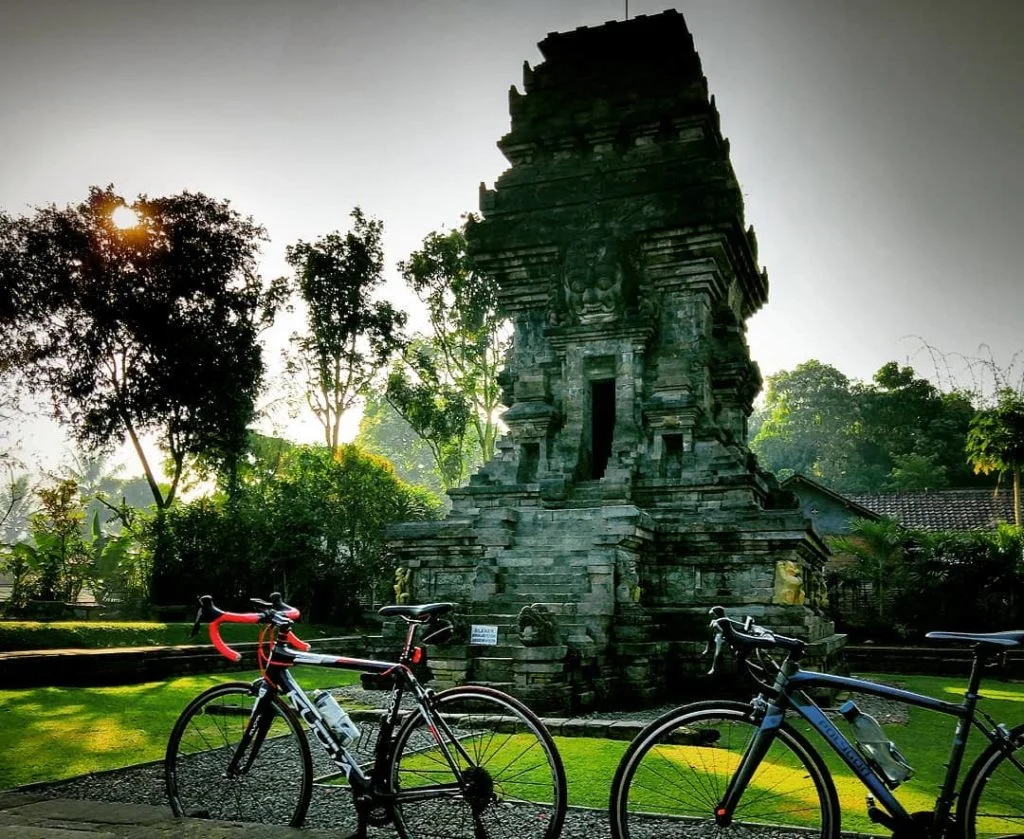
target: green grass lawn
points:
(42, 635)
(52, 733)
(47, 734)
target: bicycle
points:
(722, 765)
(469, 761)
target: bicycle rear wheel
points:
(992, 798)
(510, 780)
(674, 774)
(273, 780)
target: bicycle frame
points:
(279, 678)
(791, 686)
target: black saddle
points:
(417, 613)
(989, 640)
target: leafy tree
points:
(54, 564)
(878, 548)
(898, 432)
(995, 441)
(908, 433)
(312, 528)
(436, 410)
(15, 503)
(468, 339)
(916, 472)
(349, 337)
(150, 329)
(809, 416)
(386, 433)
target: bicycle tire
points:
(274, 789)
(515, 788)
(992, 796)
(674, 773)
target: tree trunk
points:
(1016, 494)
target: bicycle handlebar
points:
(275, 612)
(747, 635)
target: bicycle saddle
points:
(992, 639)
(425, 611)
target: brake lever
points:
(195, 626)
(719, 642)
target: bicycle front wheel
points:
(488, 768)
(220, 767)
(674, 774)
(992, 798)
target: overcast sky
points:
(877, 142)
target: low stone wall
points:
(924, 661)
(131, 665)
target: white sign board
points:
(483, 636)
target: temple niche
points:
(623, 499)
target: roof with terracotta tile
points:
(947, 509)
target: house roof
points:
(947, 509)
(795, 482)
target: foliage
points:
(435, 409)
(15, 503)
(897, 433)
(809, 415)
(313, 529)
(955, 581)
(149, 329)
(964, 581)
(464, 350)
(104, 492)
(995, 441)
(384, 432)
(878, 549)
(349, 337)
(54, 565)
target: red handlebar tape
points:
(250, 617)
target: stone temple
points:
(623, 501)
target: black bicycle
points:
(711, 767)
(465, 762)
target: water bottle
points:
(337, 720)
(877, 749)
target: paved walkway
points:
(27, 816)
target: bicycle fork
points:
(759, 746)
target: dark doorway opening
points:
(672, 459)
(602, 425)
(529, 460)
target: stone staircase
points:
(551, 560)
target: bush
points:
(313, 530)
(964, 582)
(954, 581)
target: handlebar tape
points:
(215, 617)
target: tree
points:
(468, 335)
(386, 433)
(435, 409)
(55, 563)
(349, 337)
(995, 441)
(312, 528)
(15, 503)
(145, 329)
(908, 433)
(895, 433)
(809, 416)
(878, 549)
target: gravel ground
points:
(332, 806)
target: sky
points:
(877, 143)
